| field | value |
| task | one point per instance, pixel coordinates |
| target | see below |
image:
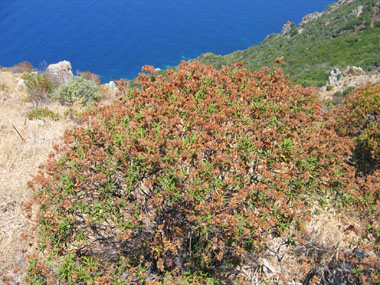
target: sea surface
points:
(115, 38)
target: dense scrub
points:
(340, 37)
(359, 120)
(189, 177)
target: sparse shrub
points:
(337, 98)
(3, 86)
(189, 175)
(38, 87)
(79, 90)
(41, 114)
(22, 67)
(348, 90)
(72, 114)
(91, 76)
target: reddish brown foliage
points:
(91, 76)
(21, 67)
(195, 170)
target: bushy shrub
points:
(3, 86)
(79, 90)
(41, 114)
(190, 174)
(22, 67)
(359, 119)
(38, 86)
(91, 76)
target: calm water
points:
(115, 38)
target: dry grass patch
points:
(24, 145)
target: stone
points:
(334, 77)
(60, 72)
(32, 123)
(287, 27)
(21, 84)
(111, 88)
(310, 17)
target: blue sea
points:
(115, 38)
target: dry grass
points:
(19, 160)
(20, 156)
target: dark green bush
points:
(79, 90)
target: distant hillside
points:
(346, 33)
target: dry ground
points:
(23, 150)
(20, 155)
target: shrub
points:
(22, 67)
(79, 90)
(41, 114)
(191, 174)
(91, 76)
(38, 86)
(3, 86)
(359, 119)
(72, 114)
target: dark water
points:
(115, 38)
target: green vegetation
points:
(38, 87)
(337, 39)
(193, 174)
(339, 96)
(41, 114)
(79, 90)
(3, 86)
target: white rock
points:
(334, 75)
(60, 72)
(21, 84)
(310, 17)
(111, 87)
(286, 28)
(31, 123)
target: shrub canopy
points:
(194, 172)
(79, 89)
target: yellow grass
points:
(20, 155)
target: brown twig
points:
(18, 133)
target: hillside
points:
(201, 175)
(346, 33)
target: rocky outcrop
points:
(287, 27)
(341, 80)
(336, 5)
(310, 17)
(60, 72)
(334, 77)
